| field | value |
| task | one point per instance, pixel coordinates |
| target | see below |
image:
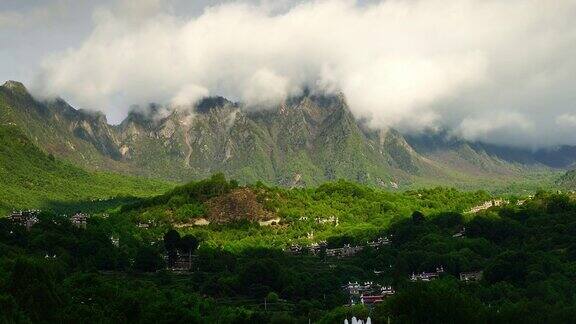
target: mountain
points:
(30, 178)
(303, 141)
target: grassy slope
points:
(31, 179)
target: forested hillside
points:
(116, 270)
(336, 209)
(29, 178)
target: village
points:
(368, 293)
(345, 251)
(29, 218)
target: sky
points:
(501, 72)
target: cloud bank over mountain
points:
(498, 71)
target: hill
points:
(237, 215)
(30, 178)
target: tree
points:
(171, 244)
(34, 288)
(417, 217)
(147, 259)
(188, 243)
(272, 297)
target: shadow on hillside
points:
(87, 206)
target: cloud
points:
(504, 125)
(566, 120)
(188, 95)
(408, 64)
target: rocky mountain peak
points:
(14, 85)
(210, 103)
(311, 138)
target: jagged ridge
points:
(305, 140)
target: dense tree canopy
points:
(527, 251)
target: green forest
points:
(121, 268)
(33, 179)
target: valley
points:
(340, 250)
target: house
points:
(79, 220)
(381, 241)
(27, 218)
(316, 248)
(427, 276)
(367, 293)
(295, 249)
(388, 291)
(471, 276)
(371, 299)
(183, 262)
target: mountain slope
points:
(303, 141)
(568, 180)
(30, 178)
(79, 136)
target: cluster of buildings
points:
(381, 241)
(471, 276)
(346, 251)
(367, 293)
(427, 276)
(79, 220)
(317, 247)
(29, 218)
(314, 248)
(182, 263)
(25, 218)
(486, 205)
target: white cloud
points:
(265, 88)
(189, 95)
(483, 126)
(403, 63)
(566, 120)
